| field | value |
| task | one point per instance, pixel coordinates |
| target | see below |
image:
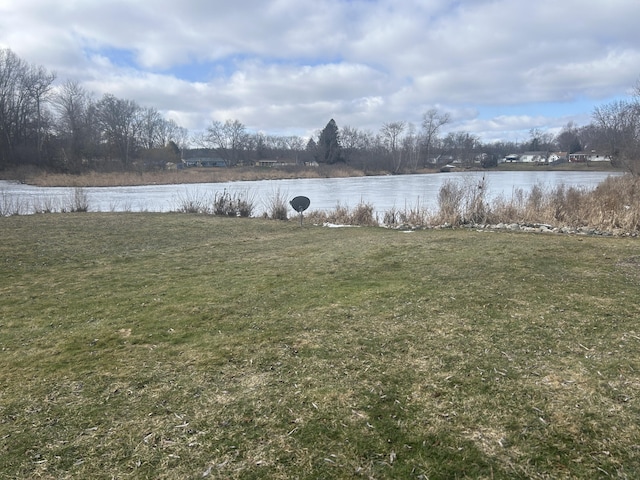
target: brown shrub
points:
(613, 204)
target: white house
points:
(589, 156)
(533, 157)
(558, 157)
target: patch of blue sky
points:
(194, 70)
(366, 2)
(542, 109)
(204, 71)
(197, 71)
(117, 56)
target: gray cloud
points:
(287, 66)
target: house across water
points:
(591, 156)
(203, 162)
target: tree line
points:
(65, 128)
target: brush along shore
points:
(198, 346)
(217, 175)
(611, 208)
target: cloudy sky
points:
(285, 67)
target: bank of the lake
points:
(183, 176)
(221, 175)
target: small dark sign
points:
(300, 204)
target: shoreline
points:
(222, 175)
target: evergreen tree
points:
(329, 150)
(311, 151)
(311, 145)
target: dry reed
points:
(361, 215)
(611, 206)
(189, 175)
(277, 207)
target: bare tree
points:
(228, 139)
(462, 146)
(23, 89)
(12, 69)
(295, 145)
(432, 122)
(170, 131)
(540, 140)
(411, 147)
(38, 82)
(362, 148)
(391, 133)
(350, 138)
(150, 129)
(568, 140)
(120, 123)
(72, 106)
(180, 137)
(618, 125)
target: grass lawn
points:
(181, 346)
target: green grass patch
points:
(190, 346)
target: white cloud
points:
(288, 66)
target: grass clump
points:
(222, 203)
(361, 215)
(11, 205)
(236, 205)
(77, 201)
(174, 346)
(277, 206)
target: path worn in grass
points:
(178, 346)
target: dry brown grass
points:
(189, 175)
(614, 205)
(361, 215)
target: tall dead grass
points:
(362, 214)
(188, 175)
(613, 205)
(462, 202)
(76, 201)
(223, 204)
(277, 206)
(10, 205)
(616, 203)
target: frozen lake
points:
(384, 192)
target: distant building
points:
(557, 157)
(203, 162)
(533, 157)
(266, 163)
(588, 156)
